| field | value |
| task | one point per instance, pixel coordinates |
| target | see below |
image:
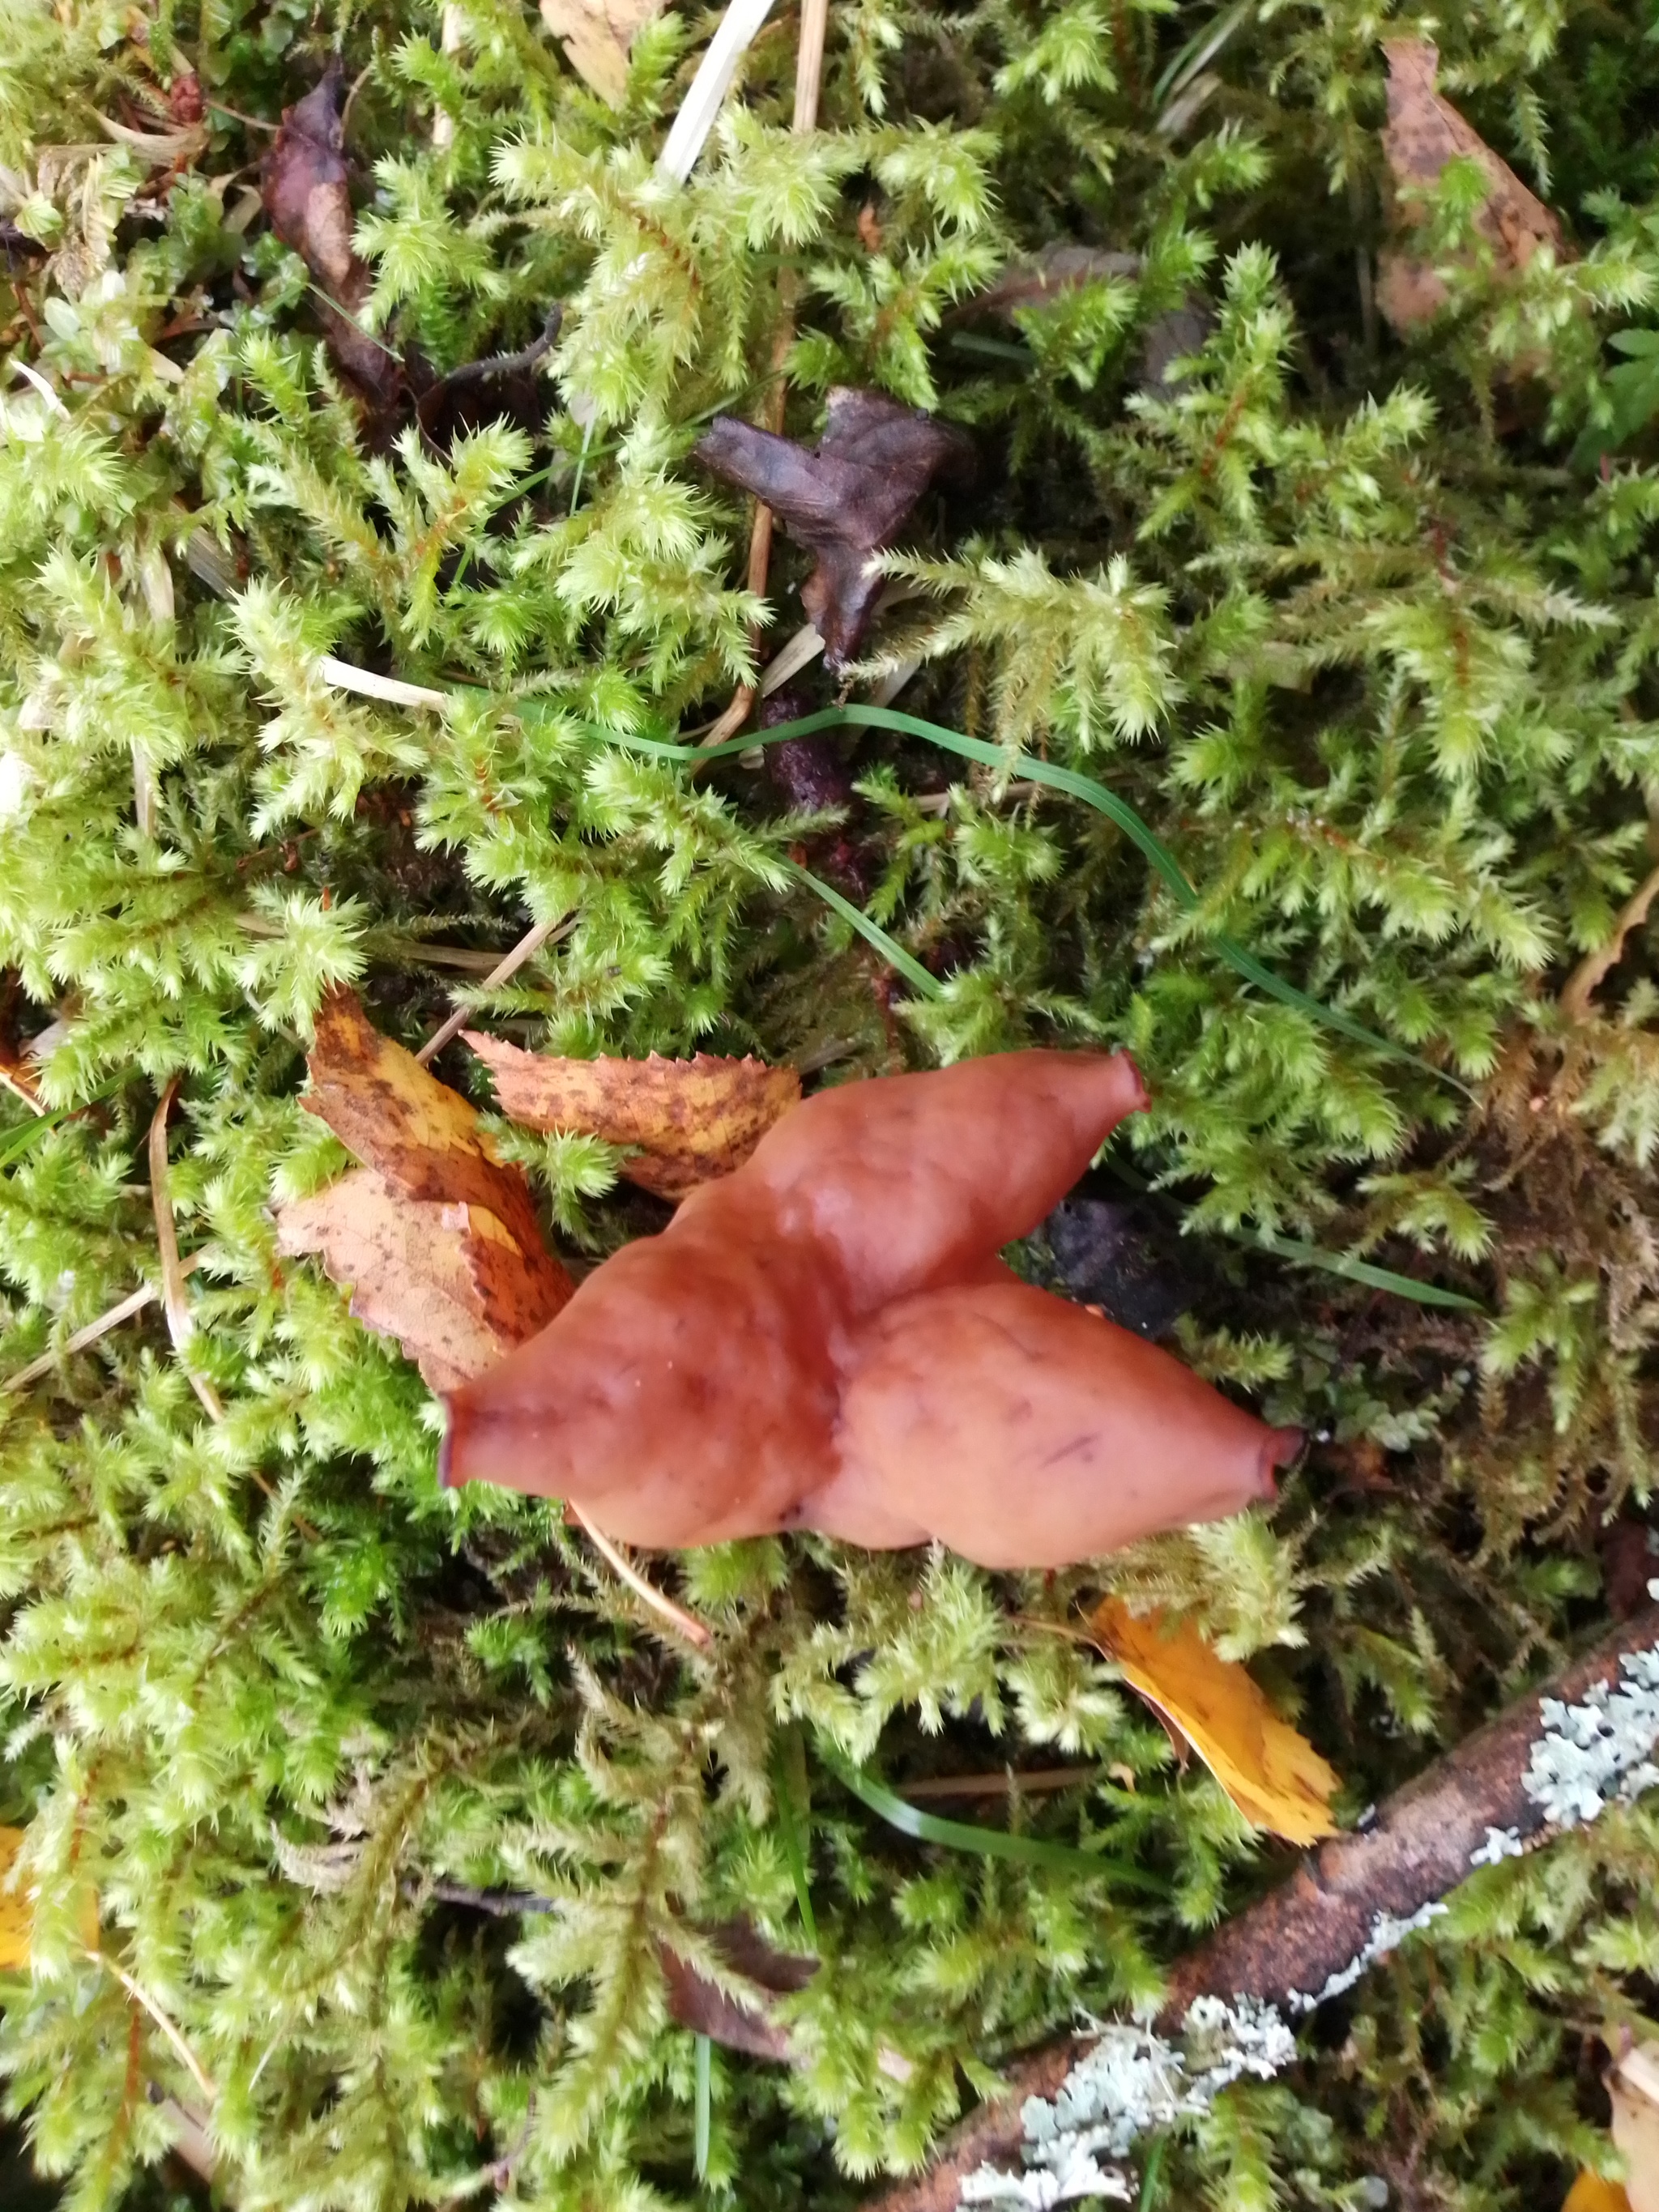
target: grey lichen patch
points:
(1594, 1752)
(1129, 2082)
(1501, 1844)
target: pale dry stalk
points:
(527, 947)
(1592, 971)
(809, 82)
(684, 1624)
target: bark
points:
(1416, 1850)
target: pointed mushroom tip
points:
(1280, 1447)
(1142, 1096)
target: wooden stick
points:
(1319, 1923)
(526, 948)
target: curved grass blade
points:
(891, 951)
(789, 1781)
(1362, 1271)
(26, 1138)
(988, 1843)
(1076, 786)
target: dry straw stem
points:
(1418, 1847)
(527, 947)
(1592, 971)
(140, 1996)
(146, 1295)
(809, 81)
(181, 1325)
(695, 1632)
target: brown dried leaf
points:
(847, 500)
(306, 187)
(1423, 133)
(438, 1238)
(597, 35)
(691, 1120)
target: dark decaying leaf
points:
(1424, 133)
(808, 771)
(1114, 1253)
(1044, 277)
(702, 2005)
(845, 500)
(305, 186)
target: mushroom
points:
(829, 1339)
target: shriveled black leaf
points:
(1116, 1253)
(305, 185)
(845, 500)
(1044, 277)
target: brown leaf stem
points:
(1592, 971)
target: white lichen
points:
(1501, 1844)
(1388, 1931)
(1593, 1753)
(1129, 2082)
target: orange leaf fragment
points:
(597, 35)
(1424, 134)
(1590, 2193)
(690, 1120)
(1274, 1776)
(437, 1237)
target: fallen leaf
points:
(1423, 133)
(305, 185)
(15, 1918)
(826, 1339)
(438, 1238)
(597, 35)
(688, 1120)
(1590, 2193)
(1274, 1776)
(845, 502)
(1633, 2085)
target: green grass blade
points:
(789, 1781)
(988, 1843)
(26, 1138)
(1076, 786)
(702, 2116)
(1362, 1271)
(891, 951)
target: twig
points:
(1323, 1924)
(809, 80)
(996, 1785)
(146, 1295)
(1593, 968)
(139, 1995)
(181, 1325)
(684, 1624)
(526, 949)
(503, 1903)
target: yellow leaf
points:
(1590, 2193)
(690, 1120)
(1274, 1776)
(16, 1917)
